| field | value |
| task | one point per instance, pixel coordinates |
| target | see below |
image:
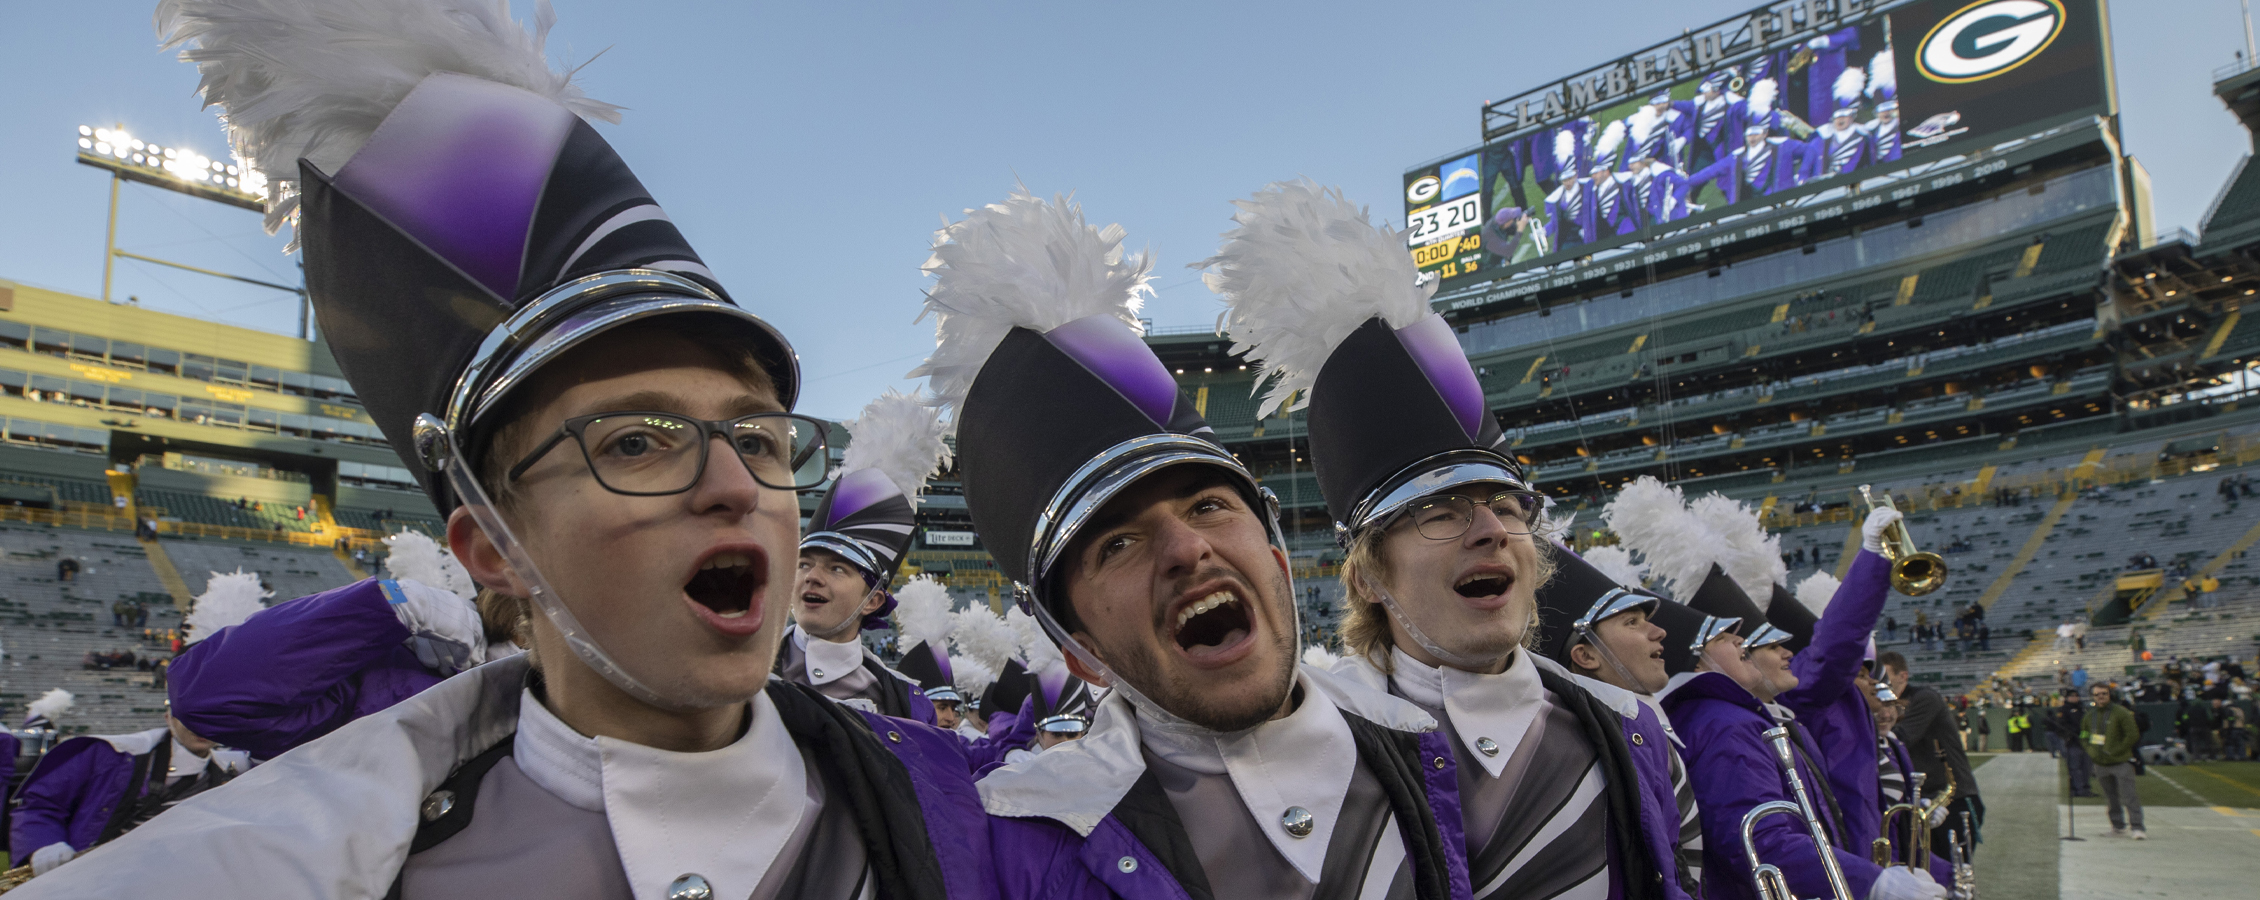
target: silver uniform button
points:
(691, 886)
(816, 672)
(437, 805)
(1298, 821)
(1126, 864)
(1637, 740)
(1487, 746)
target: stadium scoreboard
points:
(1790, 105)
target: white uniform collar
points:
(1491, 713)
(827, 661)
(723, 814)
(136, 743)
(1078, 783)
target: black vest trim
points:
(463, 788)
(1603, 729)
(121, 816)
(894, 693)
(1152, 819)
(1393, 757)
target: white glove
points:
(1819, 43)
(50, 856)
(1902, 883)
(1937, 816)
(1871, 531)
(445, 631)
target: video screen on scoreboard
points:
(1681, 144)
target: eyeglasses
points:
(649, 454)
(1446, 517)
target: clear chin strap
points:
(1593, 639)
(1397, 612)
(544, 597)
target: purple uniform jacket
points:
(1041, 858)
(1659, 806)
(69, 797)
(956, 825)
(1733, 771)
(297, 671)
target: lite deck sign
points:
(1988, 38)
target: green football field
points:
(2230, 784)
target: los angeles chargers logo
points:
(1988, 38)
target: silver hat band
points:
(570, 313)
(1060, 724)
(945, 693)
(1766, 635)
(1436, 474)
(1107, 474)
(1613, 603)
(1713, 628)
(845, 547)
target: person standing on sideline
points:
(2065, 726)
(2109, 733)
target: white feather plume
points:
(1037, 652)
(971, 676)
(1883, 74)
(227, 600)
(1762, 96)
(1749, 555)
(900, 436)
(1611, 138)
(985, 636)
(1565, 150)
(1641, 124)
(1301, 270)
(416, 557)
(1616, 562)
(1849, 84)
(1816, 590)
(922, 614)
(313, 78)
(1318, 657)
(51, 705)
(1651, 519)
(1555, 525)
(1023, 263)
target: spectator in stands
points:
(1927, 727)
(66, 569)
(2109, 731)
(2227, 491)
(2079, 679)
(1985, 636)
(1890, 628)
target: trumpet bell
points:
(1918, 573)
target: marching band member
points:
(610, 437)
(1608, 638)
(1725, 705)
(281, 676)
(89, 790)
(856, 541)
(937, 660)
(1563, 791)
(1214, 766)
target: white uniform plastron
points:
(1499, 708)
(1305, 759)
(722, 814)
(828, 661)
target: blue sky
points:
(810, 150)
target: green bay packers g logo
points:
(1987, 38)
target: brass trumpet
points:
(1914, 572)
(1772, 885)
(1934, 808)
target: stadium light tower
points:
(128, 158)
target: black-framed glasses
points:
(647, 454)
(1446, 517)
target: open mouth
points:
(813, 599)
(1483, 584)
(1217, 620)
(727, 584)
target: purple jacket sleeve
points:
(297, 671)
(1826, 667)
(68, 798)
(1020, 731)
